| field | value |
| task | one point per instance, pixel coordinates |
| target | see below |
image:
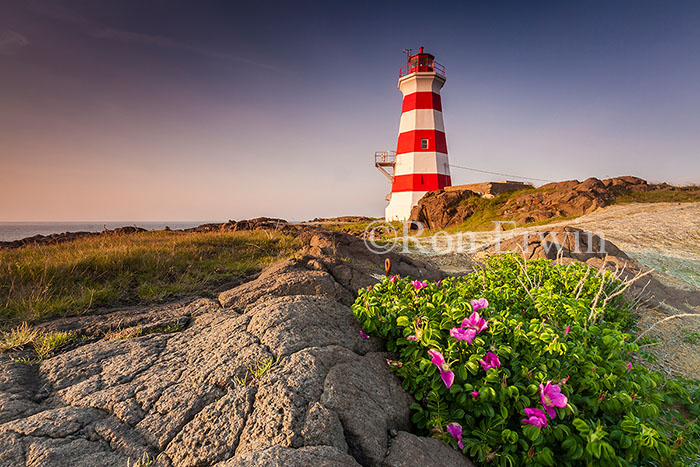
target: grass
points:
(144, 461)
(680, 194)
(44, 343)
(691, 337)
(360, 226)
(257, 371)
(43, 281)
(130, 333)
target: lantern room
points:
(421, 62)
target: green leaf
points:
(581, 426)
(531, 432)
(545, 456)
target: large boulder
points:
(437, 209)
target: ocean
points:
(10, 231)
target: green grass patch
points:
(681, 194)
(43, 281)
(257, 371)
(360, 226)
(144, 461)
(44, 344)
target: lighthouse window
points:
(424, 143)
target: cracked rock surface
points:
(275, 373)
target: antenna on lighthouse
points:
(408, 53)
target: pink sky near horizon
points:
(109, 114)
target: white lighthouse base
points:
(400, 205)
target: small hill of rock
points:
(189, 398)
(446, 208)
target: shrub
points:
(543, 330)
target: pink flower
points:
(475, 322)
(535, 417)
(552, 397)
(392, 279)
(419, 285)
(470, 327)
(438, 283)
(475, 394)
(479, 304)
(363, 335)
(394, 363)
(412, 338)
(455, 429)
(566, 331)
(629, 366)
(462, 334)
(447, 376)
(490, 361)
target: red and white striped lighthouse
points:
(421, 163)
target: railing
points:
(384, 160)
(384, 157)
(413, 68)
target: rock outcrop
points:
(67, 237)
(559, 242)
(453, 206)
(568, 244)
(275, 373)
(259, 223)
(439, 209)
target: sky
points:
(206, 110)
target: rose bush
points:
(511, 365)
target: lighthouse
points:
(420, 163)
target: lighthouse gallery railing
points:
(412, 68)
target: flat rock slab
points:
(274, 374)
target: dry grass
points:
(679, 194)
(130, 333)
(38, 282)
(43, 343)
